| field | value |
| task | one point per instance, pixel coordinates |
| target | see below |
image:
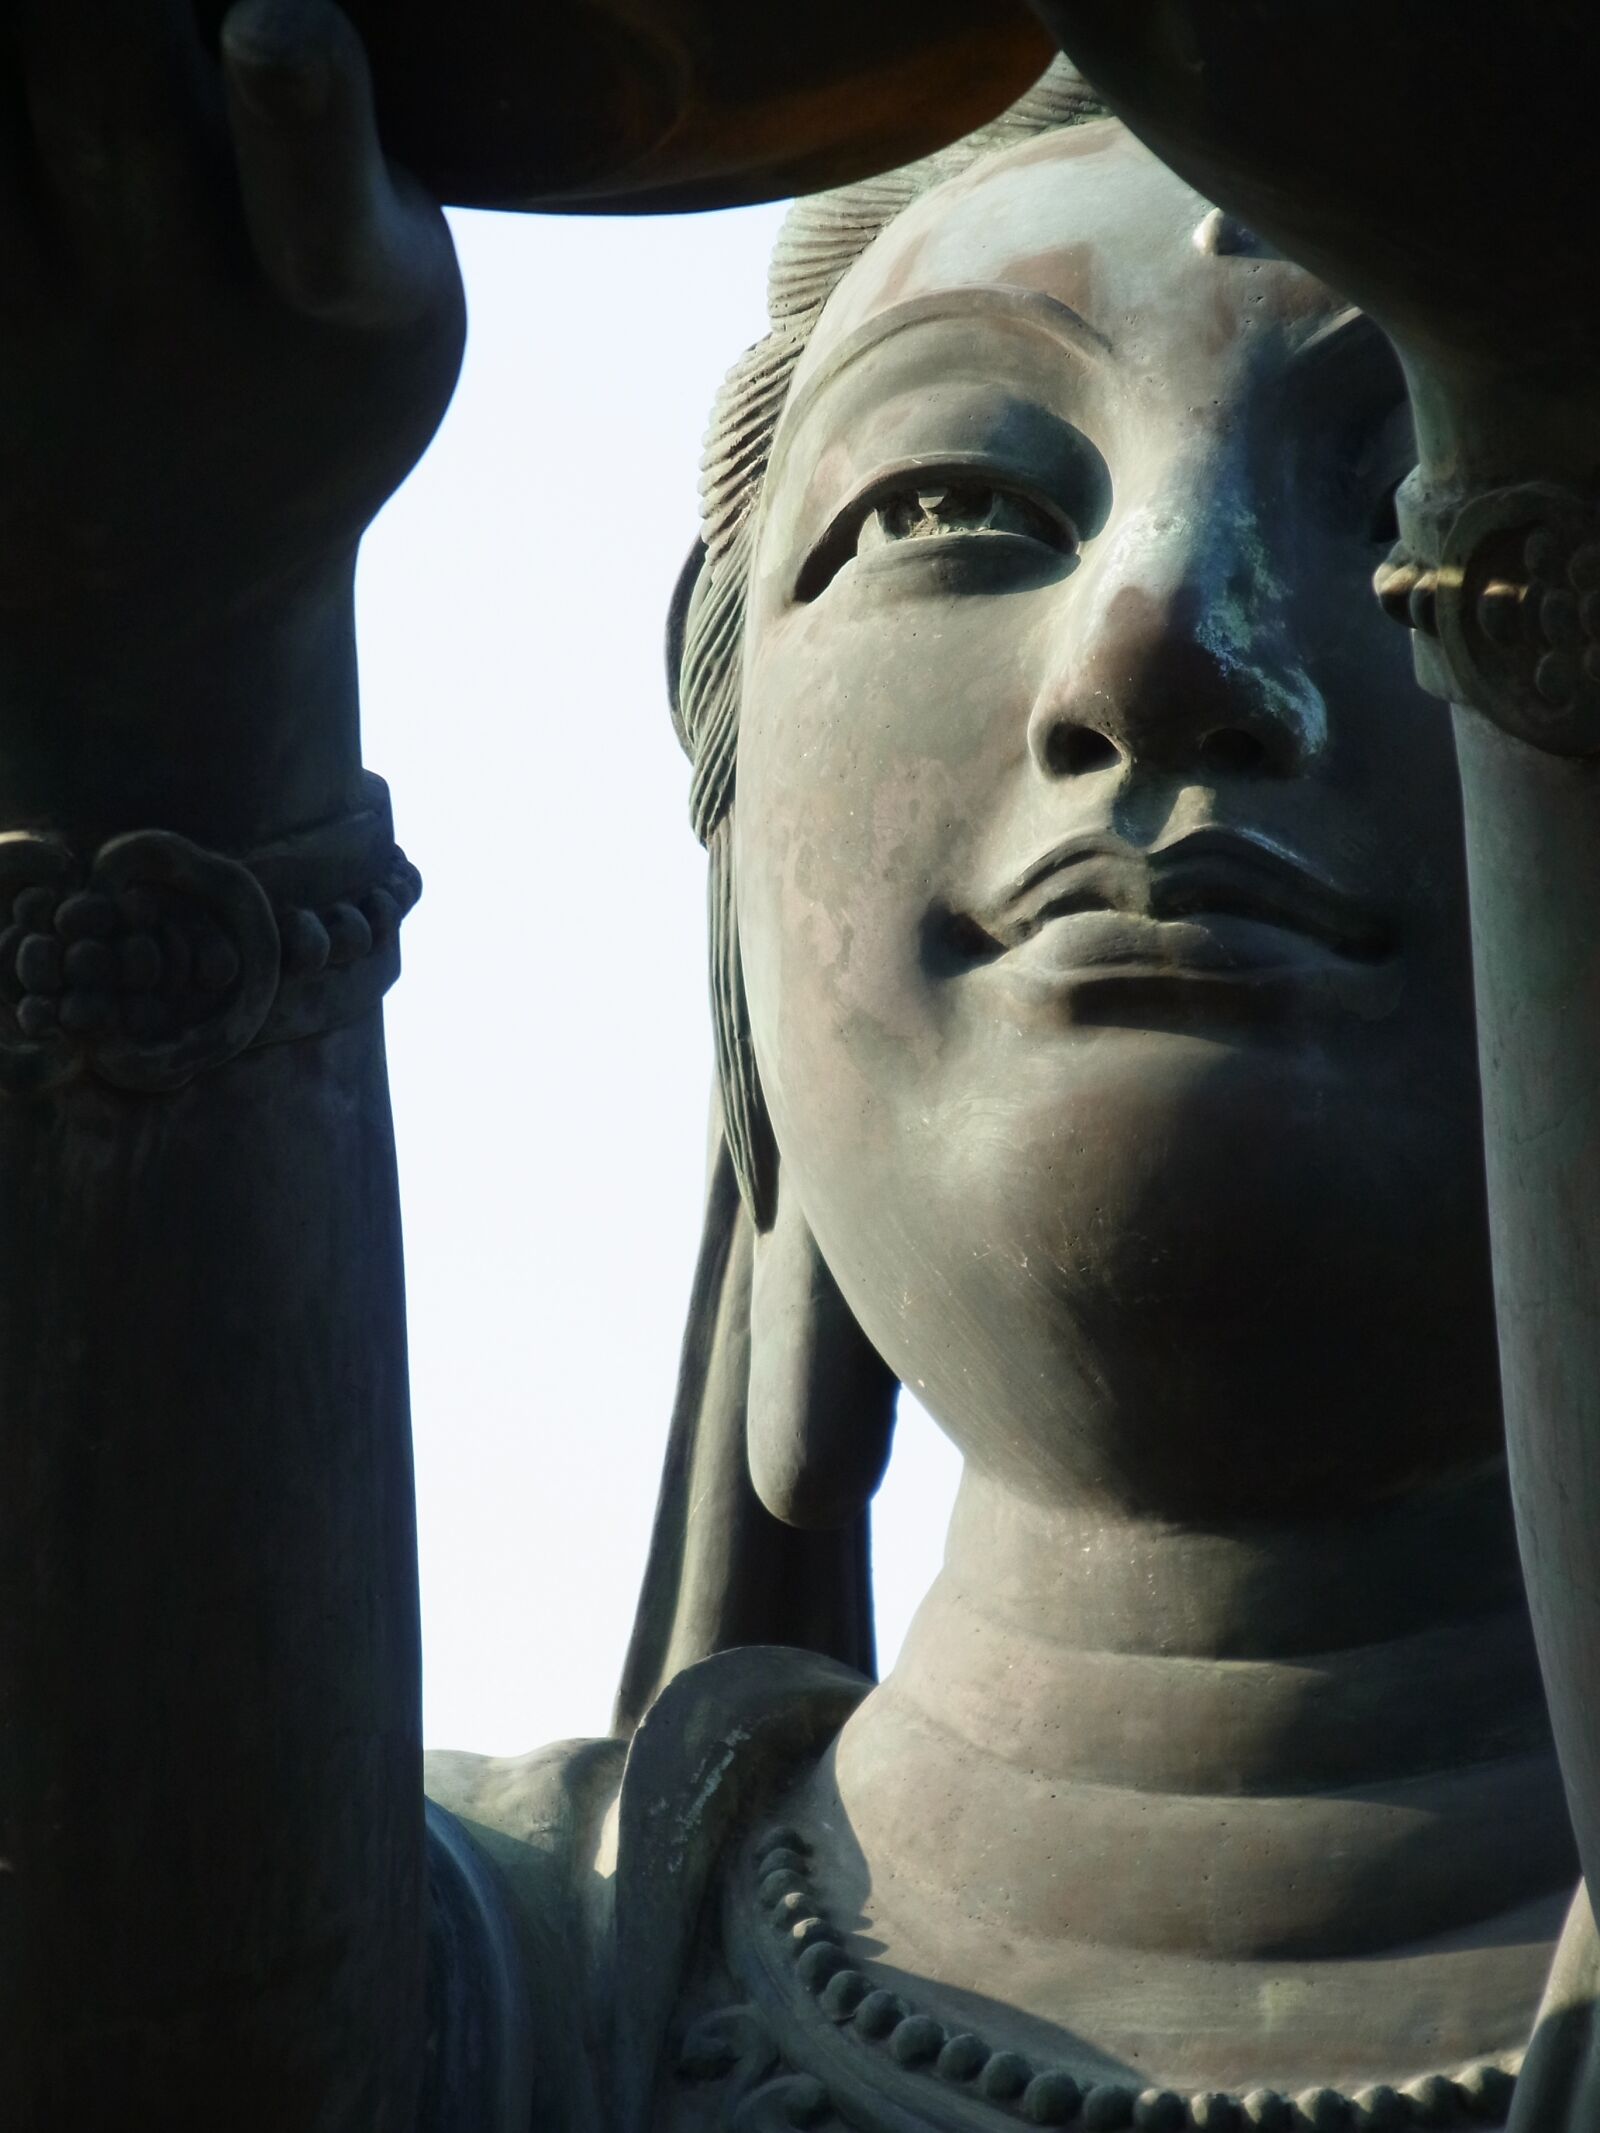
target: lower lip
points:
(1084, 948)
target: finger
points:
(338, 235)
(124, 115)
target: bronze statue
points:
(1094, 1000)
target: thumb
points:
(338, 234)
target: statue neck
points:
(1116, 1744)
(1256, 1659)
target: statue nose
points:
(1171, 660)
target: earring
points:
(821, 1404)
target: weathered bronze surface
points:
(1119, 970)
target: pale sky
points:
(549, 1042)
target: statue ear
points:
(820, 1415)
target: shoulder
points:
(721, 1739)
(567, 1886)
(515, 1936)
(537, 1818)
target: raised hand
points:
(228, 330)
(1438, 166)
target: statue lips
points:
(1220, 906)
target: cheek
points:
(1392, 768)
(870, 754)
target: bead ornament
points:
(1502, 594)
(156, 959)
(1032, 2094)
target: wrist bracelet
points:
(156, 959)
(1502, 592)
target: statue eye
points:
(933, 510)
(926, 504)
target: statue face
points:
(1100, 867)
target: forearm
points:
(230, 727)
(1533, 833)
(1506, 509)
(210, 1779)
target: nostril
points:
(1385, 525)
(1231, 751)
(1075, 749)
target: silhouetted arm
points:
(226, 334)
(1533, 849)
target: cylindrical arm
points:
(231, 330)
(210, 1792)
(1533, 833)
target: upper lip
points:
(1207, 872)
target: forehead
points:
(1087, 216)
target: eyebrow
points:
(1031, 308)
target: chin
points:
(1202, 1291)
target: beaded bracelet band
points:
(1501, 590)
(155, 959)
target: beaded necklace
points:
(1008, 2084)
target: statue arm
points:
(227, 332)
(1505, 498)
(1533, 830)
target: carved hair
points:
(820, 240)
(722, 1570)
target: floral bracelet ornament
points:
(155, 960)
(1502, 591)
